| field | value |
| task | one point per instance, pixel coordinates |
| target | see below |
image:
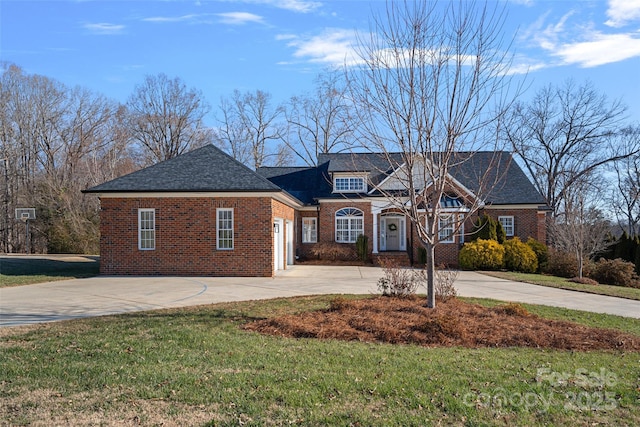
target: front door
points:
(393, 234)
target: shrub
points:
(487, 228)
(422, 255)
(334, 251)
(541, 251)
(398, 281)
(616, 272)
(443, 283)
(519, 256)
(561, 264)
(481, 255)
(583, 280)
(362, 247)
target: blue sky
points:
(279, 46)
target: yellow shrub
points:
(519, 256)
(481, 255)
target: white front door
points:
(290, 239)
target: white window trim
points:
(313, 238)
(513, 225)
(363, 188)
(218, 229)
(450, 225)
(140, 230)
(350, 219)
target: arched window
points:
(349, 225)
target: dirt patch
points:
(451, 323)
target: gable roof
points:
(510, 184)
(205, 169)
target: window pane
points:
(146, 229)
(225, 229)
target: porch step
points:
(400, 258)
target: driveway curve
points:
(104, 295)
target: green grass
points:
(562, 283)
(196, 366)
(16, 271)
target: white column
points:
(375, 230)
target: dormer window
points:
(349, 184)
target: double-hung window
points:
(507, 225)
(446, 228)
(309, 230)
(349, 225)
(146, 229)
(224, 229)
(349, 185)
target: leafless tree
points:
(250, 128)
(166, 118)
(625, 199)
(322, 122)
(432, 86)
(580, 227)
(48, 134)
(564, 135)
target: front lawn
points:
(16, 270)
(562, 283)
(197, 366)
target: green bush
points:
(481, 255)
(519, 256)
(362, 247)
(422, 255)
(616, 272)
(487, 228)
(541, 251)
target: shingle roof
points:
(509, 184)
(303, 183)
(204, 169)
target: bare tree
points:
(322, 122)
(249, 128)
(625, 199)
(430, 91)
(580, 227)
(167, 118)
(565, 134)
(48, 134)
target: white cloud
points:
(299, 6)
(162, 19)
(600, 49)
(622, 12)
(239, 18)
(104, 28)
(581, 43)
(333, 47)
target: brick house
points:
(198, 214)
(342, 199)
(205, 214)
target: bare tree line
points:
(56, 141)
(430, 84)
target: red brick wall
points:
(527, 222)
(304, 249)
(186, 237)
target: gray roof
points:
(508, 183)
(206, 169)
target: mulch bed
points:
(451, 323)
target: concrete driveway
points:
(104, 295)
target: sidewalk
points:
(104, 295)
